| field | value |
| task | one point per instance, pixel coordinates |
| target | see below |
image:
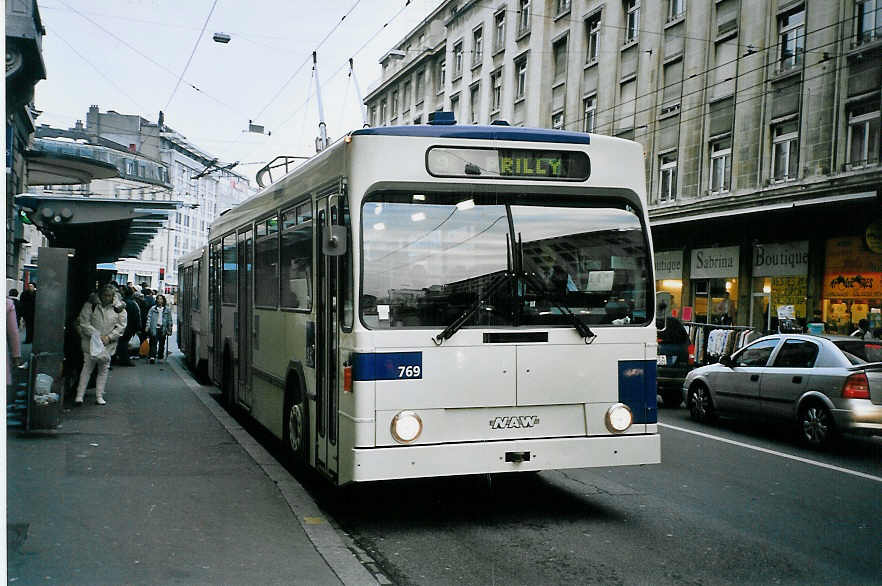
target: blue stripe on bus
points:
(637, 389)
(481, 132)
(387, 366)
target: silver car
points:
(825, 384)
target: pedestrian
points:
(159, 327)
(13, 295)
(100, 326)
(28, 305)
(863, 331)
(13, 347)
(149, 298)
(133, 325)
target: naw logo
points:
(519, 422)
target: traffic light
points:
(162, 274)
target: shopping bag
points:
(144, 350)
(96, 346)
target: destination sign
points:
(489, 163)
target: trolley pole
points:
(321, 142)
(361, 105)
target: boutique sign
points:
(789, 259)
(715, 263)
(669, 265)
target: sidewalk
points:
(149, 489)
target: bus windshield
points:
(429, 257)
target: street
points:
(712, 513)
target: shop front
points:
(779, 275)
(669, 280)
(714, 285)
(852, 284)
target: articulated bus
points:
(435, 300)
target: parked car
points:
(826, 384)
(673, 361)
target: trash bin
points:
(45, 393)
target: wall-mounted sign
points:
(789, 259)
(715, 263)
(669, 265)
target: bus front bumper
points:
(502, 456)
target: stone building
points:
(760, 121)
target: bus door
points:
(214, 283)
(327, 340)
(245, 317)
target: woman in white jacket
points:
(104, 319)
(159, 327)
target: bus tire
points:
(296, 420)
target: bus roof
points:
(480, 132)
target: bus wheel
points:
(294, 429)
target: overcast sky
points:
(128, 55)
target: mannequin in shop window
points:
(724, 310)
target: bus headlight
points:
(406, 427)
(618, 418)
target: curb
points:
(324, 537)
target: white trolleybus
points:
(443, 300)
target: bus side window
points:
(296, 260)
(230, 267)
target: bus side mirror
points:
(334, 243)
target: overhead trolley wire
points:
(193, 52)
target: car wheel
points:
(816, 427)
(672, 398)
(701, 406)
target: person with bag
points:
(159, 327)
(133, 325)
(100, 325)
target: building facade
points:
(157, 163)
(760, 121)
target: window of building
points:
(589, 113)
(454, 106)
(562, 7)
(266, 263)
(394, 108)
(727, 16)
(406, 97)
(457, 60)
(296, 257)
(420, 87)
(441, 75)
(499, 31)
(557, 121)
(230, 273)
(521, 79)
(496, 95)
(632, 20)
(863, 134)
(627, 106)
(382, 120)
(676, 8)
(592, 29)
(523, 16)
(373, 115)
(720, 164)
(477, 45)
(791, 41)
(475, 102)
(785, 150)
(559, 52)
(667, 180)
(867, 21)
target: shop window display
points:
(714, 300)
(852, 285)
(673, 288)
(787, 297)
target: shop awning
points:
(46, 168)
(103, 229)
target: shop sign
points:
(789, 259)
(852, 271)
(669, 265)
(715, 263)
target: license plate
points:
(661, 360)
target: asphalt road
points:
(730, 504)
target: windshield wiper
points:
(577, 321)
(467, 314)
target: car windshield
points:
(863, 350)
(429, 257)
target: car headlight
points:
(406, 427)
(619, 418)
